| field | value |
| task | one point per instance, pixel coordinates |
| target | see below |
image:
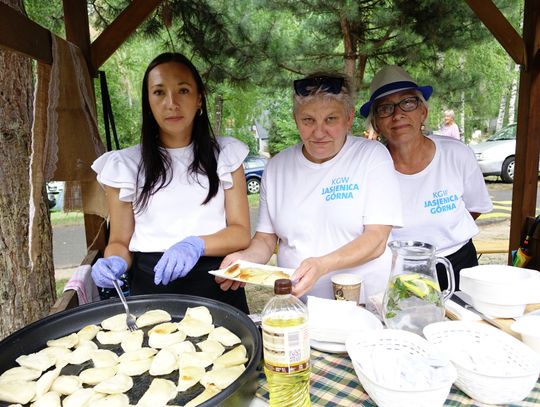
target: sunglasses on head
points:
(308, 86)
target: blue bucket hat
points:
(388, 80)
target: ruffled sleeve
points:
(232, 155)
(118, 169)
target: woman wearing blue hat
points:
(442, 188)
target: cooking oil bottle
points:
(286, 348)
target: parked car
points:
(496, 155)
(254, 168)
(55, 194)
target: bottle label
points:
(286, 349)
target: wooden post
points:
(528, 129)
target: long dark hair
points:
(155, 161)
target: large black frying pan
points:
(34, 337)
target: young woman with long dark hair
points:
(177, 200)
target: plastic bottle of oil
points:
(286, 348)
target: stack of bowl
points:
(501, 291)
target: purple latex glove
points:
(178, 260)
(104, 271)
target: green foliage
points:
(283, 132)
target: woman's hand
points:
(225, 283)
(307, 274)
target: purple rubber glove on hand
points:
(104, 271)
(178, 260)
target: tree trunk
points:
(502, 110)
(26, 292)
(513, 96)
(219, 113)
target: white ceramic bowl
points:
(501, 285)
(498, 310)
(529, 328)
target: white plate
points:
(247, 264)
(339, 320)
(328, 347)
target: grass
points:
(253, 200)
(59, 218)
(60, 283)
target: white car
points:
(496, 155)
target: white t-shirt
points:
(315, 209)
(175, 211)
(437, 200)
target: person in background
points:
(442, 188)
(449, 127)
(329, 202)
(177, 201)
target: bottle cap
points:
(282, 286)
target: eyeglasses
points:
(387, 109)
(308, 86)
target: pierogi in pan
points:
(177, 363)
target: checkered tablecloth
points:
(335, 384)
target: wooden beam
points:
(501, 29)
(20, 34)
(120, 29)
(76, 23)
(528, 130)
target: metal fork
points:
(130, 319)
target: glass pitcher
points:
(413, 297)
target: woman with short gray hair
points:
(329, 202)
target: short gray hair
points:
(450, 113)
(347, 95)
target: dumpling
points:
(86, 344)
(181, 347)
(153, 317)
(163, 363)
(135, 367)
(111, 337)
(158, 340)
(211, 346)
(38, 361)
(19, 391)
(96, 375)
(194, 327)
(236, 356)
(224, 336)
(158, 394)
(139, 354)
(223, 377)
(66, 385)
(201, 359)
(44, 383)
(103, 358)
(200, 313)
(68, 341)
(207, 394)
(115, 323)
(79, 398)
(50, 399)
(19, 374)
(132, 341)
(164, 328)
(79, 355)
(112, 400)
(88, 332)
(189, 376)
(119, 383)
(57, 352)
